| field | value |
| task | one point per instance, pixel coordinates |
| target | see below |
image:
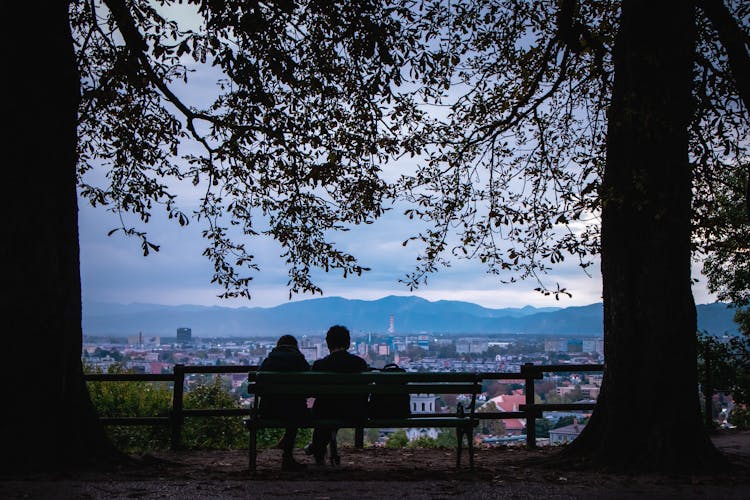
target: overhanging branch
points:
(735, 42)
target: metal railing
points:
(529, 411)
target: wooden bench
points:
(312, 384)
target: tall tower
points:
(184, 335)
(391, 328)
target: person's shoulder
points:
(302, 362)
(357, 361)
(361, 361)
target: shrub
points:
(132, 399)
(397, 440)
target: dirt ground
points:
(376, 473)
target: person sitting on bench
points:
(345, 407)
(285, 357)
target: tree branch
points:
(138, 47)
(735, 42)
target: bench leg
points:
(359, 437)
(459, 443)
(252, 448)
(470, 445)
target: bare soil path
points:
(376, 473)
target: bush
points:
(132, 399)
(397, 440)
(740, 416)
(154, 399)
(212, 432)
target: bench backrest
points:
(326, 383)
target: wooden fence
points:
(529, 411)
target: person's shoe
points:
(320, 456)
(290, 464)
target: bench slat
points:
(378, 423)
(319, 378)
(306, 389)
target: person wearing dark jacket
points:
(285, 357)
(348, 407)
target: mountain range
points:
(411, 315)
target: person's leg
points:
(320, 439)
(287, 459)
(287, 442)
(335, 459)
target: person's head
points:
(338, 338)
(287, 341)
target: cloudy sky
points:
(113, 268)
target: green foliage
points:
(422, 442)
(729, 365)
(372, 436)
(268, 438)
(542, 427)
(742, 318)
(397, 440)
(446, 439)
(212, 432)
(132, 399)
(740, 417)
(725, 230)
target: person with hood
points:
(285, 357)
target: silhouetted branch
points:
(735, 42)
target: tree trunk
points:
(647, 415)
(48, 421)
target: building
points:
(422, 403)
(312, 352)
(184, 335)
(556, 346)
(566, 434)
(471, 346)
(511, 403)
(589, 346)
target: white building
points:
(422, 403)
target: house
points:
(566, 434)
(510, 403)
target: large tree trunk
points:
(647, 415)
(48, 419)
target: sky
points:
(113, 268)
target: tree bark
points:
(647, 415)
(49, 422)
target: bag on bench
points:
(390, 405)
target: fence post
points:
(177, 416)
(359, 437)
(708, 391)
(528, 371)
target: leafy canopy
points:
(502, 103)
(289, 145)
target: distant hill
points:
(314, 316)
